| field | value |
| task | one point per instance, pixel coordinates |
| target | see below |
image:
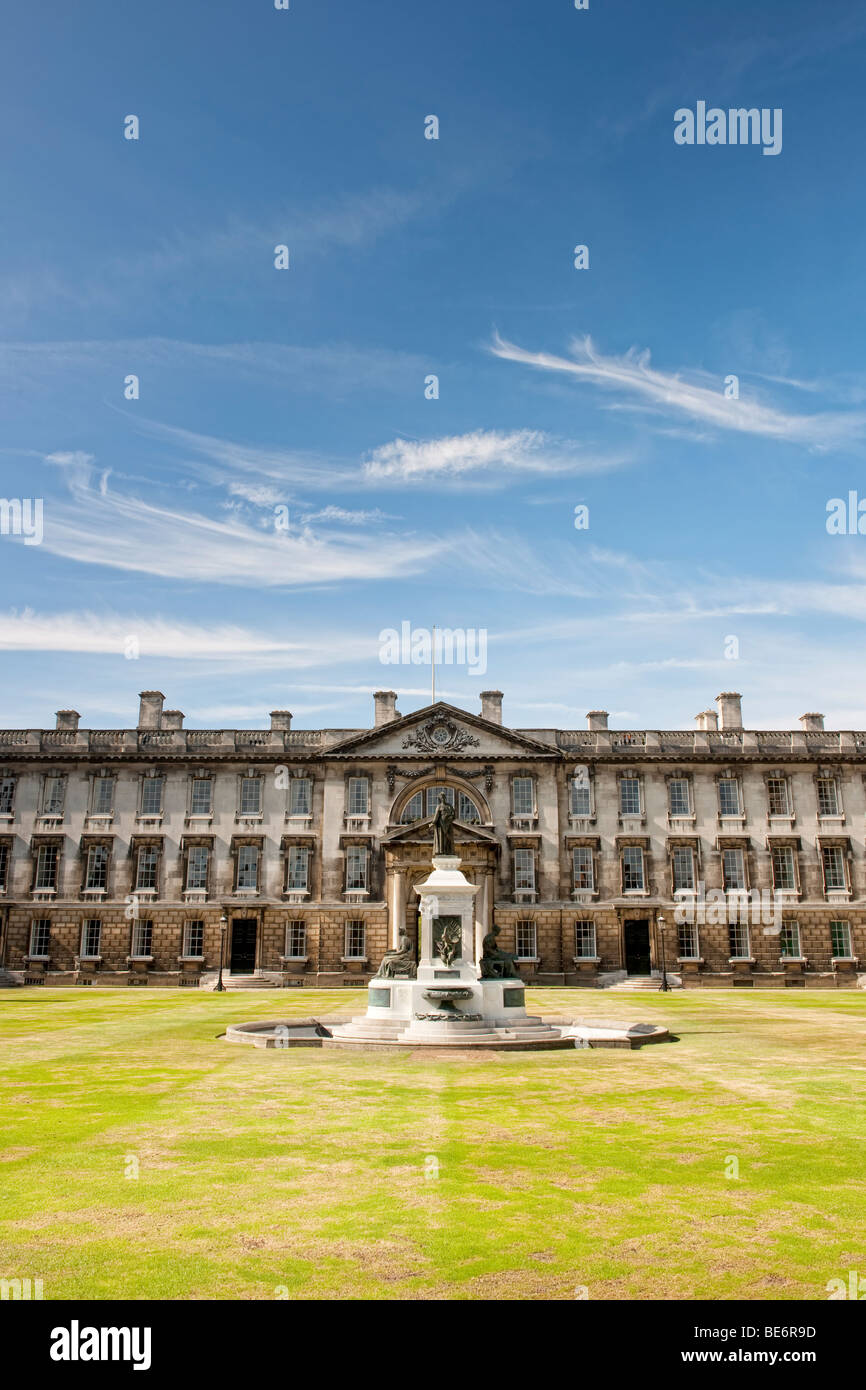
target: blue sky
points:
(304, 388)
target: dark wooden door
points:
(243, 957)
(637, 948)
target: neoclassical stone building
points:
(138, 856)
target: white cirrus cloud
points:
(631, 375)
(484, 454)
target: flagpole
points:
(433, 668)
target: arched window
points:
(423, 804)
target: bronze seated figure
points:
(399, 961)
(496, 964)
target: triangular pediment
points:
(441, 731)
(422, 830)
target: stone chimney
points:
(491, 706)
(707, 719)
(597, 719)
(67, 719)
(730, 710)
(812, 722)
(385, 703)
(150, 709)
(281, 720)
(171, 719)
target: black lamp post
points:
(662, 925)
(224, 926)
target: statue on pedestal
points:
(443, 827)
(400, 961)
(496, 964)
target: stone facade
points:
(142, 855)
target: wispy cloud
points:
(631, 375)
(483, 453)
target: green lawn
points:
(312, 1174)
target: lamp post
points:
(662, 926)
(224, 926)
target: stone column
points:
(396, 905)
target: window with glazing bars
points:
(356, 940)
(584, 875)
(581, 798)
(525, 940)
(91, 937)
(52, 796)
(196, 867)
(678, 797)
(248, 866)
(40, 936)
(629, 796)
(300, 796)
(524, 870)
(777, 796)
(297, 874)
(97, 868)
(251, 796)
(151, 796)
(584, 939)
(103, 796)
(738, 940)
(828, 798)
(688, 941)
(356, 868)
(193, 938)
(632, 868)
(46, 866)
(7, 795)
(201, 798)
(733, 870)
(789, 938)
(358, 796)
(296, 939)
(840, 939)
(142, 938)
(523, 796)
(729, 797)
(784, 875)
(146, 866)
(683, 864)
(834, 867)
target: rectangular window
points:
(777, 796)
(102, 800)
(53, 795)
(523, 796)
(248, 866)
(201, 797)
(296, 940)
(97, 868)
(688, 941)
(47, 860)
(738, 940)
(151, 796)
(828, 797)
(632, 869)
(729, 797)
(251, 796)
(584, 876)
(7, 795)
(524, 871)
(356, 868)
(297, 873)
(193, 938)
(358, 796)
(783, 867)
(834, 868)
(581, 801)
(683, 866)
(91, 936)
(840, 940)
(356, 940)
(679, 803)
(196, 867)
(789, 939)
(300, 796)
(733, 870)
(526, 941)
(40, 937)
(142, 938)
(629, 796)
(584, 940)
(4, 865)
(146, 866)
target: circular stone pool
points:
(340, 1033)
